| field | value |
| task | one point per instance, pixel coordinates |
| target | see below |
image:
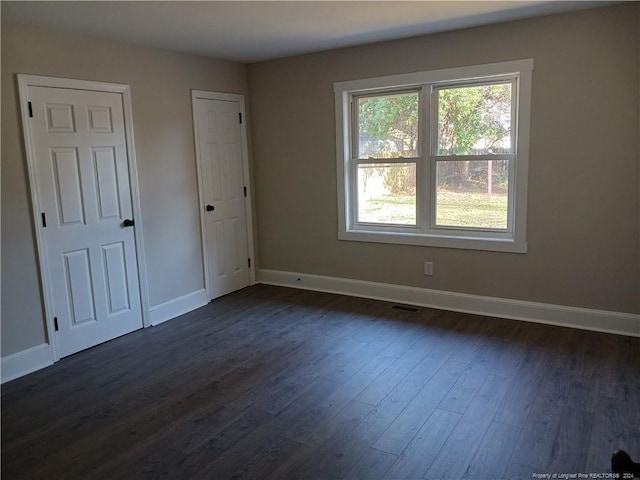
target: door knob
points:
(128, 223)
(210, 208)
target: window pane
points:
(474, 120)
(387, 193)
(472, 194)
(388, 126)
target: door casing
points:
(26, 81)
(228, 97)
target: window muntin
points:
(473, 124)
(470, 122)
(386, 140)
(497, 164)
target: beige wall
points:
(161, 101)
(584, 199)
(583, 216)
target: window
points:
(436, 158)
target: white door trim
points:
(26, 81)
(229, 97)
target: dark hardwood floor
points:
(275, 383)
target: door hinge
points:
(245, 191)
(30, 110)
(55, 323)
(44, 220)
(249, 262)
(240, 116)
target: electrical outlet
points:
(428, 268)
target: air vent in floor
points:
(406, 308)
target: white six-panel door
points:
(220, 158)
(82, 175)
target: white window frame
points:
(427, 233)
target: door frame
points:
(226, 97)
(26, 81)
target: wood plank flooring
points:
(279, 383)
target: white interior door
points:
(220, 157)
(81, 165)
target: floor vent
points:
(406, 308)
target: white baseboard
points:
(41, 356)
(26, 361)
(178, 306)
(574, 317)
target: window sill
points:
(444, 241)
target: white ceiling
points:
(251, 31)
